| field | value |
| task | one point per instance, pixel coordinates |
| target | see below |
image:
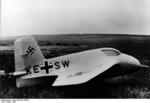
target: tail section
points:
(27, 53)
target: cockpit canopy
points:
(111, 52)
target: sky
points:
(27, 17)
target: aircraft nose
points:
(130, 60)
(135, 61)
(127, 65)
(130, 64)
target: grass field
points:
(136, 85)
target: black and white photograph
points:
(75, 49)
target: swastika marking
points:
(30, 50)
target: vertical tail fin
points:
(26, 53)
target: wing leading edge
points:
(79, 77)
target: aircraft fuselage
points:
(78, 64)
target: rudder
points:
(27, 53)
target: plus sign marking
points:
(46, 67)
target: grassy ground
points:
(136, 85)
